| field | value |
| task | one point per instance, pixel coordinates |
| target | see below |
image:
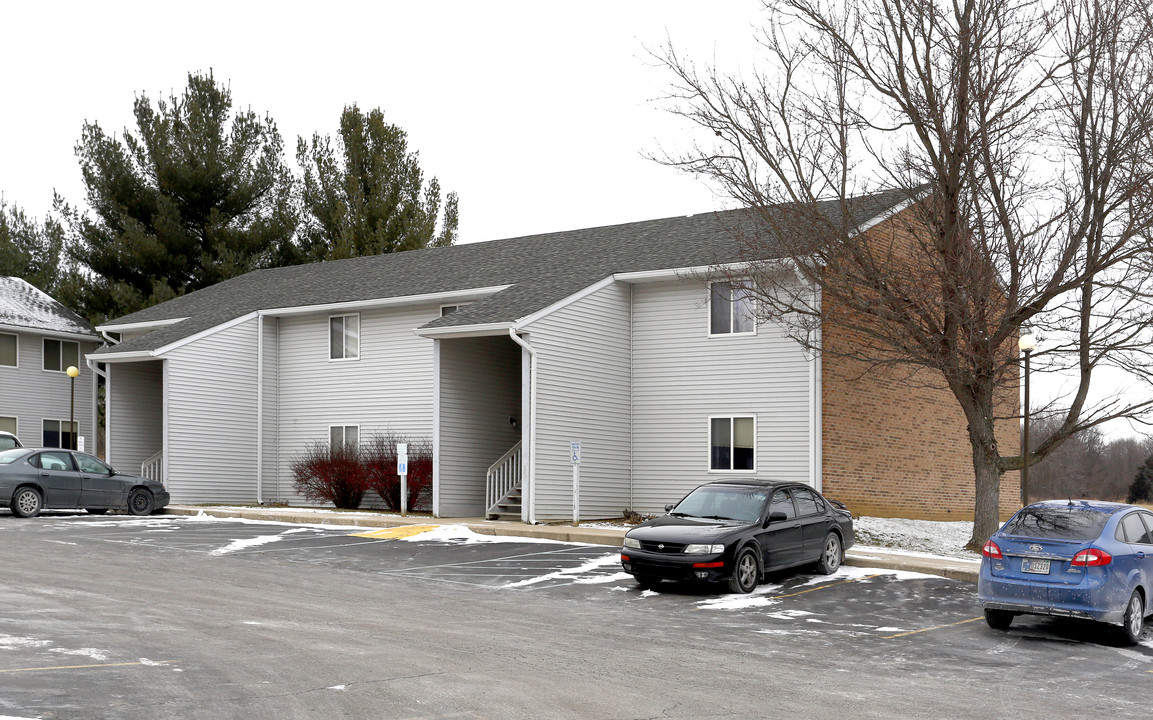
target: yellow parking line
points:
(822, 587)
(395, 533)
(937, 627)
(79, 667)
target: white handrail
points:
(153, 467)
(503, 475)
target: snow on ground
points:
(245, 543)
(931, 537)
(461, 534)
(583, 573)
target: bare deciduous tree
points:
(1021, 134)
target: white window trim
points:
(64, 369)
(17, 365)
(359, 337)
(709, 444)
(62, 422)
(17, 419)
(709, 315)
(328, 438)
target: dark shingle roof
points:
(23, 305)
(541, 269)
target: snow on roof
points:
(22, 305)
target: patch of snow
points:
(742, 602)
(245, 543)
(13, 717)
(789, 614)
(935, 537)
(153, 663)
(12, 642)
(94, 653)
(860, 574)
(461, 534)
(337, 687)
(575, 573)
(620, 588)
(649, 593)
(888, 629)
(599, 579)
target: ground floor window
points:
(732, 443)
(344, 435)
(59, 434)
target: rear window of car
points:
(1078, 524)
(7, 457)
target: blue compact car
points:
(1083, 559)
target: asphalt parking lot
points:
(200, 617)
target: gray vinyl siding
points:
(32, 394)
(389, 387)
(134, 413)
(480, 388)
(212, 417)
(681, 377)
(272, 488)
(584, 394)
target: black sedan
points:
(735, 531)
(32, 479)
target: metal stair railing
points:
(503, 476)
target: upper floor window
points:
(731, 308)
(731, 443)
(59, 355)
(344, 337)
(7, 350)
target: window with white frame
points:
(8, 424)
(59, 434)
(8, 347)
(347, 435)
(59, 355)
(732, 443)
(344, 337)
(731, 308)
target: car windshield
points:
(1077, 524)
(724, 502)
(7, 457)
(7, 442)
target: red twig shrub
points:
(330, 474)
(379, 460)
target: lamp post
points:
(1027, 343)
(72, 373)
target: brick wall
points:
(897, 446)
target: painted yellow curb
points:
(396, 533)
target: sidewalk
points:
(859, 556)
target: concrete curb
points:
(955, 569)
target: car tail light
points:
(1092, 557)
(991, 550)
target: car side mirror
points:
(775, 517)
(669, 507)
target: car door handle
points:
(43, 474)
(1140, 555)
(796, 526)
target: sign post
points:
(575, 457)
(402, 471)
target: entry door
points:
(59, 479)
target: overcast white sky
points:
(536, 113)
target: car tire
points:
(140, 502)
(95, 511)
(26, 502)
(832, 553)
(646, 583)
(1134, 621)
(746, 571)
(998, 619)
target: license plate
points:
(1033, 565)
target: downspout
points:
(532, 366)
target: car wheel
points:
(746, 572)
(831, 556)
(140, 502)
(999, 619)
(26, 502)
(1134, 623)
(646, 583)
(95, 511)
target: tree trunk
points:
(987, 477)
